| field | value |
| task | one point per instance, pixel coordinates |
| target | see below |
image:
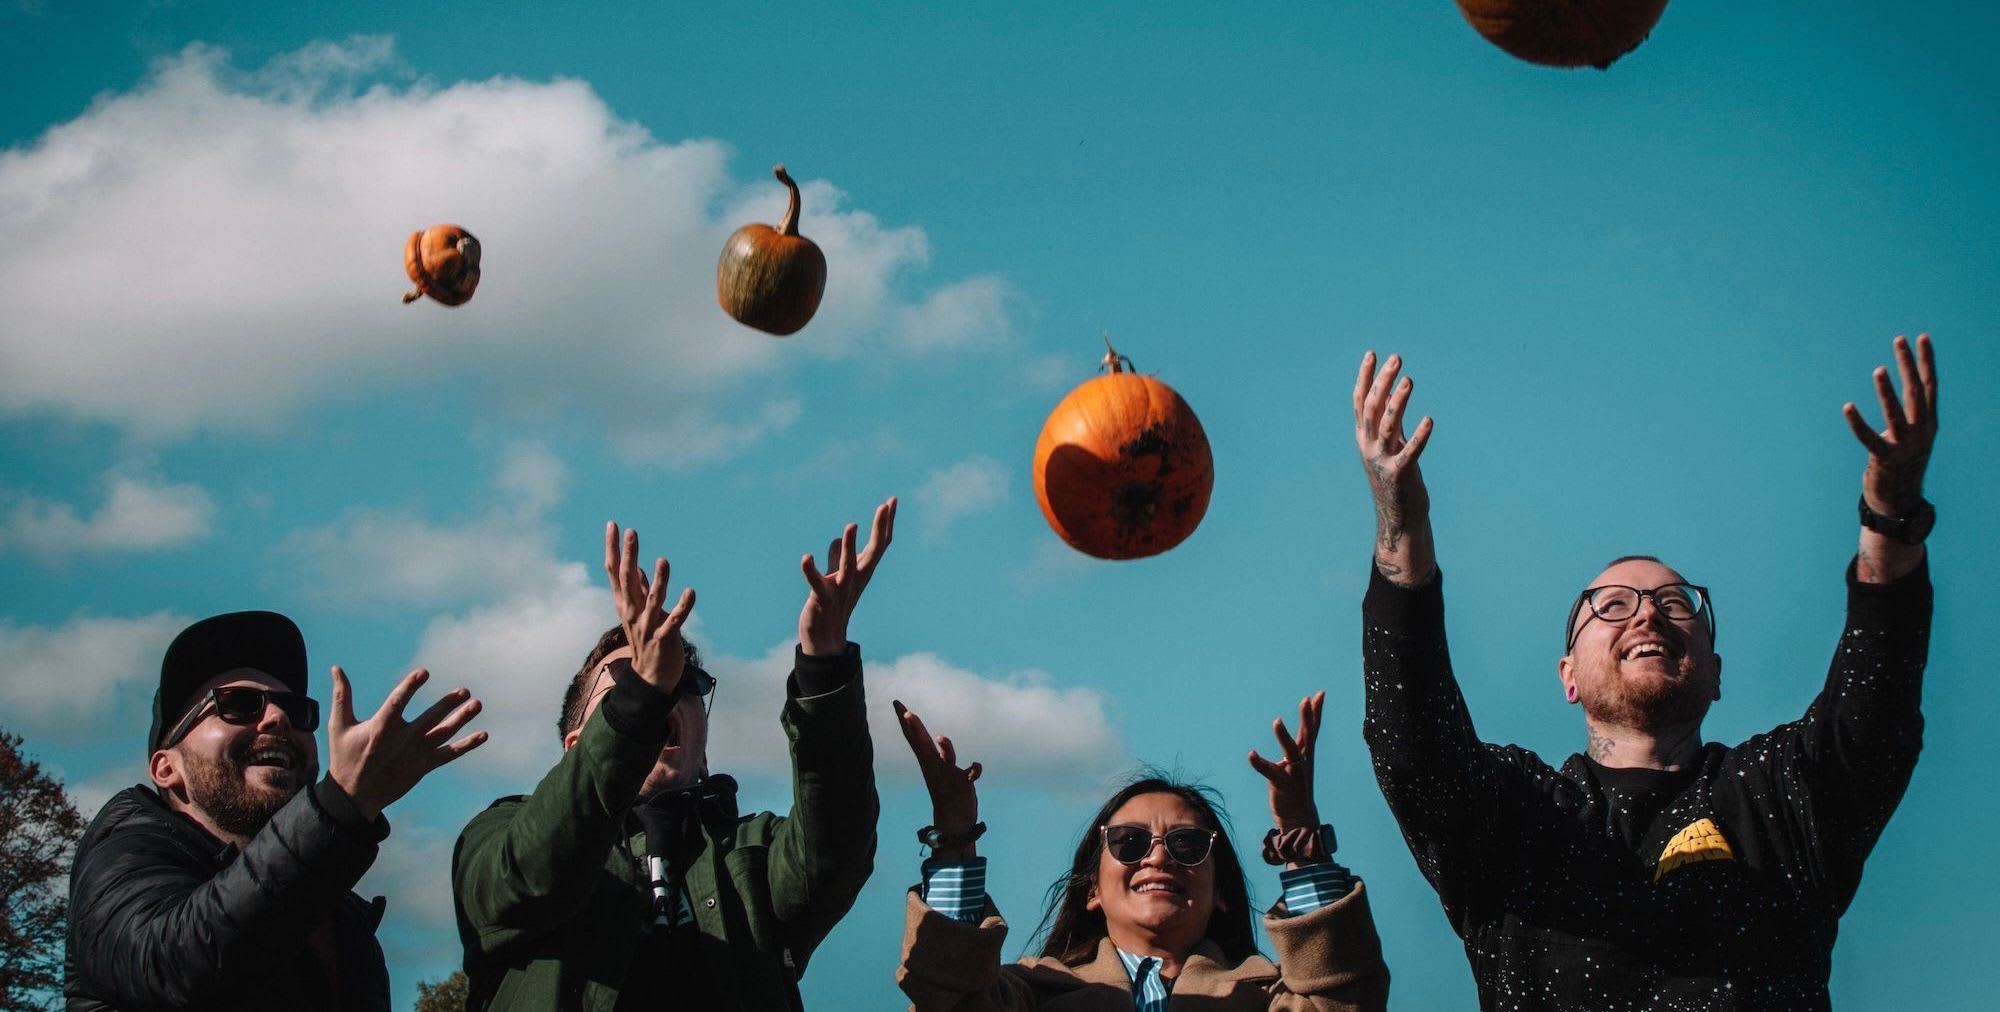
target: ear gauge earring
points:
(1569, 693)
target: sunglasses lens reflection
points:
(1188, 845)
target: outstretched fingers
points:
(1415, 447)
(880, 533)
(916, 734)
(399, 697)
(1927, 374)
(1361, 379)
(1872, 440)
(341, 714)
(820, 590)
(1892, 413)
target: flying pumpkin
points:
(772, 279)
(1565, 33)
(443, 260)
(1122, 469)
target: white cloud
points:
(414, 871)
(232, 244)
(965, 487)
(962, 313)
(137, 514)
(1025, 729)
(378, 557)
(516, 656)
(59, 682)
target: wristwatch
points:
(1910, 530)
(935, 838)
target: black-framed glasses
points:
(695, 681)
(1615, 602)
(1129, 844)
(244, 704)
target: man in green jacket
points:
(627, 880)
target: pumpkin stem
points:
(790, 224)
(1112, 360)
(412, 296)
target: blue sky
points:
(1633, 300)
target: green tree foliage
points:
(447, 995)
(39, 828)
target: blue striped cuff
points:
(956, 889)
(1314, 886)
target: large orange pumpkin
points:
(444, 262)
(1122, 468)
(772, 278)
(1565, 33)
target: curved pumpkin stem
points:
(789, 225)
(412, 295)
(1112, 360)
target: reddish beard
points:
(221, 788)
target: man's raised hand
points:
(1402, 505)
(658, 654)
(1897, 456)
(833, 595)
(378, 760)
(1893, 484)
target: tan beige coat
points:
(1331, 962)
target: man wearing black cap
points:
(228, 883)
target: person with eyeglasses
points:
(627, 879)
(228, 883)
(1154, 907)
(1655, 869)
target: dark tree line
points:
(39, 828)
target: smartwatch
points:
(1910, 530)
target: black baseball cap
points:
(262, 640)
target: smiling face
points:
(1157, 905)
(1648, 671)
(684, 760)
(233, 777)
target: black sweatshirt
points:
(1719, 886)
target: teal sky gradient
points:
(1634, 301)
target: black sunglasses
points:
(694, 681)
(242, 704)
(1129, 844)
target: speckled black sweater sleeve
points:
(1447, 789)
(1861, 735)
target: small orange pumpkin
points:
(1122, 468)
(771, 279)
(444, 262)
(1565, 33)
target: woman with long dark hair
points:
(1153, 907)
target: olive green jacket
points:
(551, 890)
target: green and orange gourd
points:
(772, 278)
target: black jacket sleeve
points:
(154, 925)
(1448, 790)
(1861, 735)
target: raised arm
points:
(1403, 547)
(1329, 957)
(1863, 733)
(521, 868)
(1446, 788)
(825, 850)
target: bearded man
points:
(228, 884)
(1655, 870)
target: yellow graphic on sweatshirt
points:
(1700, 841)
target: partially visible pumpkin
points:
(444, 262)
(1565, 33)
(772, 279)
(1122, 469)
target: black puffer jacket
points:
(164, 916)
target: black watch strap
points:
(935, 838)
(1910, 529)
